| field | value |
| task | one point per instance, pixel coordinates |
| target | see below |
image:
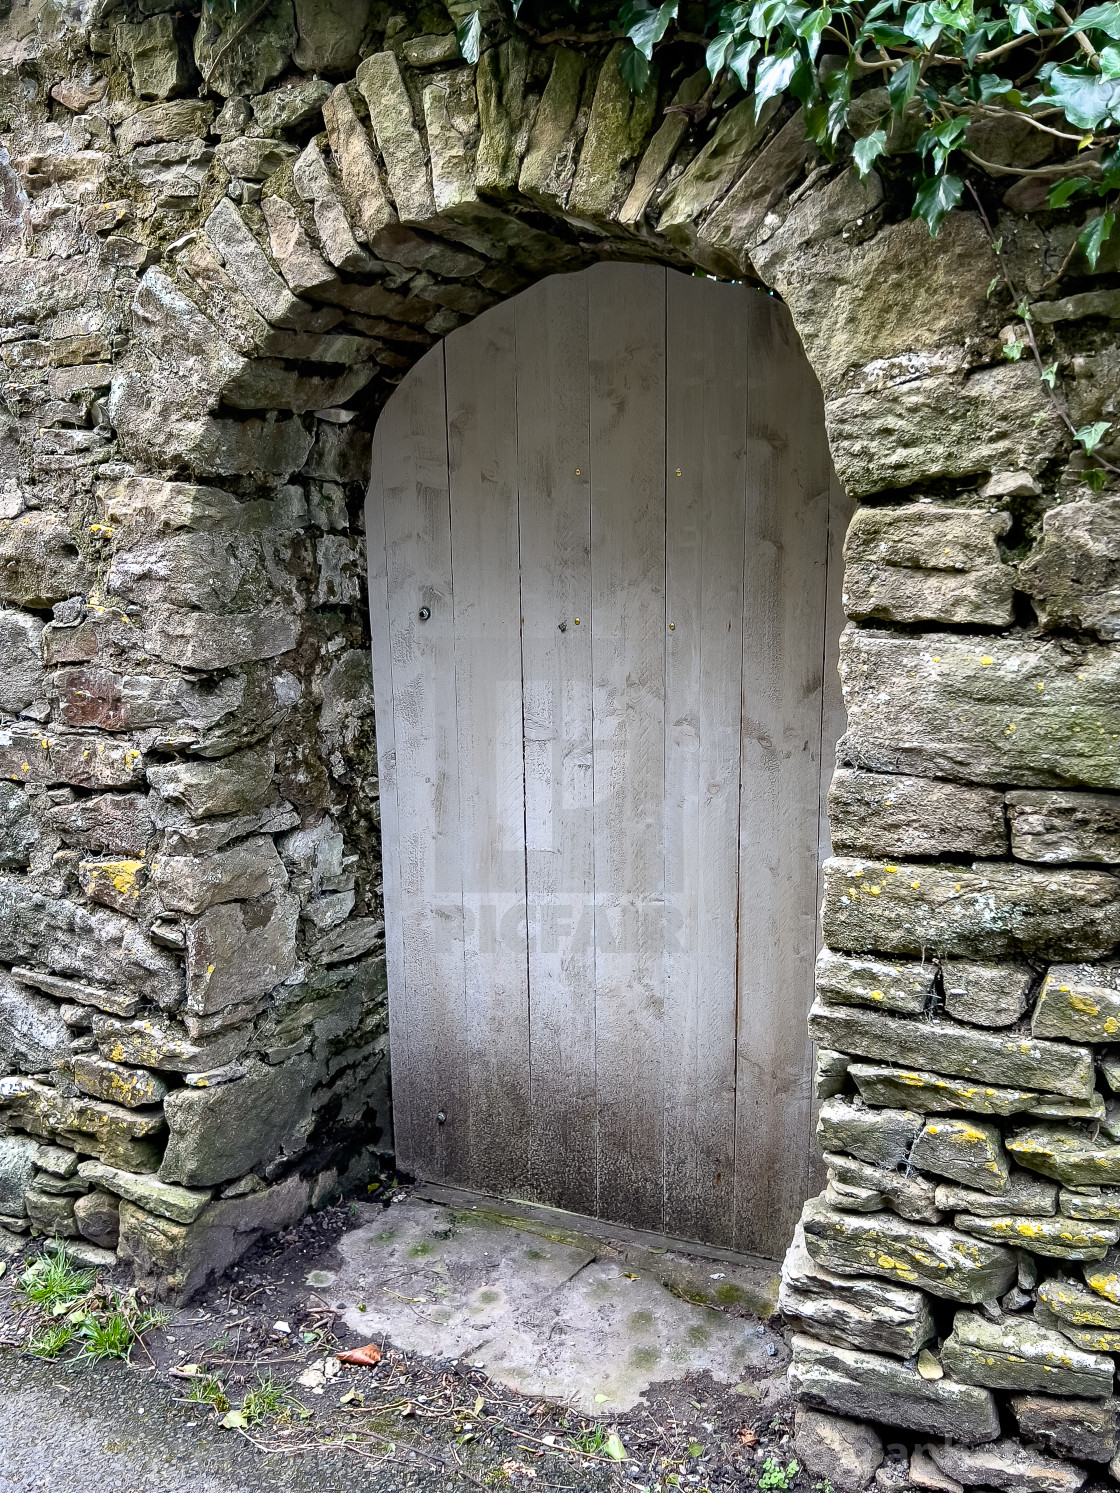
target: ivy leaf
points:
(920, 26)
(742, 57)
(645, 26)
(903, 86)
(1089, 437)
(1104, 18)
(715, 58)
(1049, 375)
(936, 197)
(1094, 236)
(868, 150)
(1013, 351)
(811, 27)
(772, 76)
(634, 68)
(1110, 62)
(990, 86)
(941, 139)
(469, 35)
(1110, 169)
(1086, 98)
(1060, 193)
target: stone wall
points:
(219, 252)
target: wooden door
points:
(603, 627)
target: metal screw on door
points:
(424, 613)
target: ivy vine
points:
(945, 65)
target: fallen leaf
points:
(614, 1448)
(478, 1404)
(331, 1366)
(747, 1436)
(234, 1421)
(350, 1396)
(185, 1371)
(364, 1357)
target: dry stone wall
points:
(220, 250)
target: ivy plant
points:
(941, 66)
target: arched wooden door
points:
(598, 533)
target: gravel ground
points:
(406, 1423)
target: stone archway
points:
(209, 290)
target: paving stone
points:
(179, 1203)
(963, 1052)
(968, 1151)
(925, 563)
(990, 995)
(883, 1137)
(910, 1197)
(943, 705)
(1017, 1354)
(845, 1452)
(113, 1082)
(849, 1381)
(931, 1093)
(97, 1218)
(1075, 1428)
(1066, 1153)
(1080, 1002)
(1056, 827)
(230, 785)
(895, 815)
(1056, 1238)
(902, 987)
(223, 1132)
(1026, 1194)
(989, 911)
(1007, 1465)
(940, 1260)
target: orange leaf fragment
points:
(365, 1357)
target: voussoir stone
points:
(1027, 711)
(986, 911)
(965, 1052)
(858, 1311)
(845, 1452)
(1018, 1354)
(940, 1260)
(898, 815)
(849, 1381)
(924, 563)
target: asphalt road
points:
(76, 1430)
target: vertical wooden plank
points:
(554, 492)
(626, 330)
(381, 659)
(414, 665)
(482, 456)
(783, 653)
(707, 355)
